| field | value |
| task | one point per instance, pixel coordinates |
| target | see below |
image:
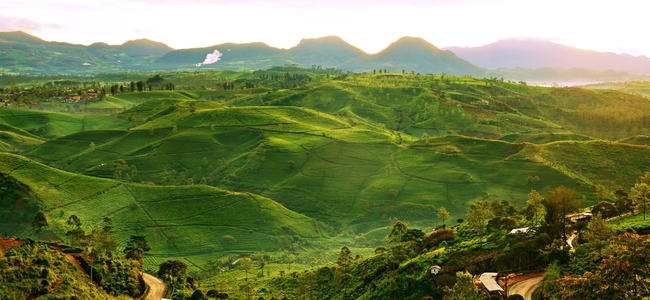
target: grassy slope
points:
(160, 212)
(342, 174)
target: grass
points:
(633, 222)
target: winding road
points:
(157, 288)
(525, 288)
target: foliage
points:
(606, 209)
(559, 203)
(34, 268)
(40, 222)
(623, 273)
(464, 288)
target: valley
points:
(283, 168)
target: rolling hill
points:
(220, 220)
(274, 163)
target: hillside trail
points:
(157, 288)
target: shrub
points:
(605, 209)
(438, 237)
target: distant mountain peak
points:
(19, 36)
(410, 43)
(326, 41)
(533, 54)
(145, 47)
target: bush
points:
(605, 209)
(438, 237)
(515, 297)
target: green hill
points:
(309, 161)
(25, 54)
(216, 221)
(330, 51)
(418, 55)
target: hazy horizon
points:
(368, 25)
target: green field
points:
(276, 163)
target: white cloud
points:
(368, 24)
(23, 24)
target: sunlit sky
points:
(617, 26)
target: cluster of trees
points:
(35, 268)
(117, 275)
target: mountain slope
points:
(540, 54)
(26, 54)
(253, 222)
(231, 52)
(418, 55)
(145, 47)
(330, 51)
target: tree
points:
(246, 264)
(443, 215)
(623, 203)
(75, 232)
(624, 274)
(212, 293)
(102, 239)
(39, 222)
(464, 288)
(197, 295)
(598, 232)
(120, 166)
(641, 193)
(260, 260)
(344, 260)
(172, 269)
(136, 247)
(399, 229)
(606, 209)
(534, 205)
(478, 214)
(559, 203)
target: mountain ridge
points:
(540, 54)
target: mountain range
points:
(21, 53)
(532, 54)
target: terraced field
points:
(266, 166)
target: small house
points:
(522, 230)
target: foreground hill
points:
(217, 220)
(311, 162)
(543, 54)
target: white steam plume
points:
(211, 58)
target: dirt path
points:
(525, 288)
(157, 288)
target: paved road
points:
(525, 288)
(157, 288)
(569, 241)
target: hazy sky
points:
(618, 26)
